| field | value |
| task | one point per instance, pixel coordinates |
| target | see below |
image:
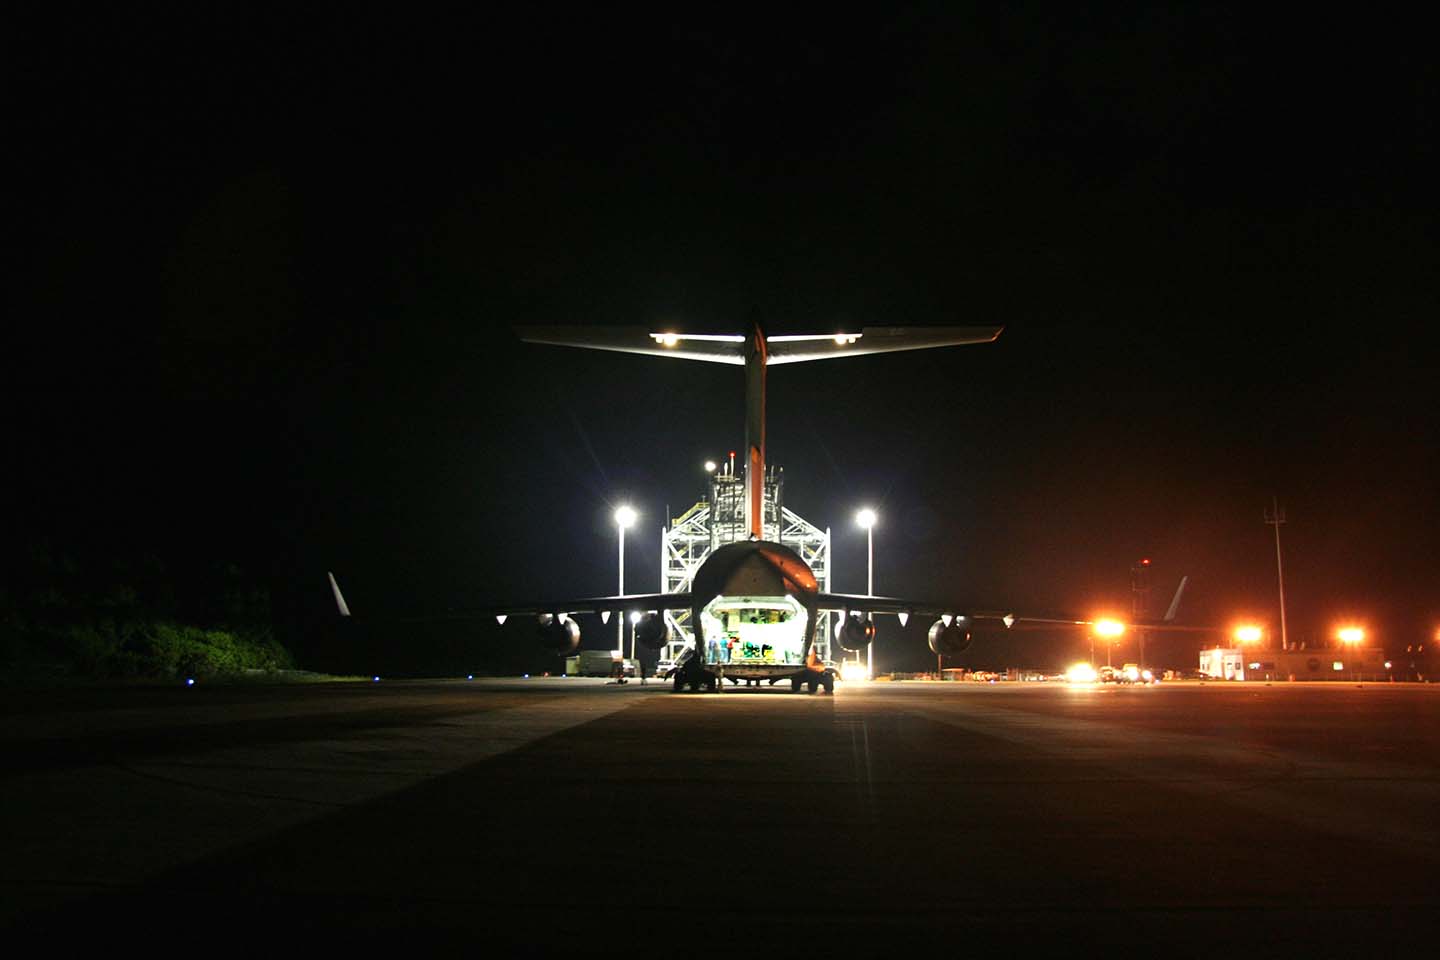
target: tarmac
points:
(1217, 819)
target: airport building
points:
(1242, 663)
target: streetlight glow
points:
(1109, 628)
(1249, 633)
(710, 466)
(1351, 635)
(866, 518)
(625, 516)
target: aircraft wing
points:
(629, 602)
(860, 603)
(620, 603)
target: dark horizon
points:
(270, 268)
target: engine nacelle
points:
(956, 638)
(651, 631)
(855, 634)
(560, 634)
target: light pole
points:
(624, 517)
(1351, 637)
(866, 518)
(1109, 629)
(1275, 517)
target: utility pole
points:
(1276, 516)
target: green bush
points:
(176, 650)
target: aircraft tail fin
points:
(339, 597)
(1175, 603)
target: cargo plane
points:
(755, 604)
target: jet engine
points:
(951, 639)
(651, 631)
(560, 634)
(856, 634)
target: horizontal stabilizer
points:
(781, 348)
(870, 340)
(715, 348)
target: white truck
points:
(592, 663)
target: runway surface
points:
(1194, 820)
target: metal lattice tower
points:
(713, 523)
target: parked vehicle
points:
(592, 663)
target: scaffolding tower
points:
(720, 519)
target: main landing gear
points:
(813, 681)
(695, 681)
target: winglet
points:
(339, 598)
(1175, 604)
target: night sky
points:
(263, 272)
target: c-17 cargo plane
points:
(755, 604)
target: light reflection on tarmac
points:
(1213, 819)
